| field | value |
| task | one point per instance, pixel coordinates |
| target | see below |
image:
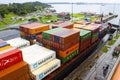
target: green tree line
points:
(22, 8)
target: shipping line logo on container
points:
(35, 65)
(41, 76)
(4, 62)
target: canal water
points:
(97, 8)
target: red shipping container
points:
(9, 58)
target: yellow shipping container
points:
(5, 47)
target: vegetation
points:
(10, 13)
(117, 36)
(2, 25)
(115, 54)
(111, 42)
(82, 16)
(93, 18)
(119, 45)
(105, 49)
(9, 19)
(49, 19)
(22, 9)
(33, 20)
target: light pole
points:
(72, 11)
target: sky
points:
(86, 1)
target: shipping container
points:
(32, 41)
(101, 32)
(68, 51)
(4, 44)
(15, 72)
(69, 57)
(61, 35)
(46, 69)
(78, 25)
(83, 33)
(66, 36)
(63, 25)
(39, 38)
(5, 47)
(47, 34)
(82, 22)
(10, 57)
(34, 28)
(37, 56)
(57, 45)
(1, 41)
(18, 42)
(94, 28)
(85, 38)
(23, 34)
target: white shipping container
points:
(18, 42)
(46, 69)
(37, 56)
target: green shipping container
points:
(47, 34)
(69, 57)
(95, 35)
(84, 34)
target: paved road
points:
(92, 67)
(9, 34)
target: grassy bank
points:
(82, 16)
(8, 20)
(105, 49)
(111, 42)
(48, 19)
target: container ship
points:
(48, 54)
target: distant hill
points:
(22, 8)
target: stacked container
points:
(64, 41)
(103, 31)
(11, 63)
(85, 38)
(18, 42)
(94, 28)
(46, 69)
(30, 31)
(18, 71)
(42, 61)
(63, 25)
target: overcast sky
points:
(90, 1)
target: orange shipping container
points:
(69, 51)
(34, 28)
(15, 72)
